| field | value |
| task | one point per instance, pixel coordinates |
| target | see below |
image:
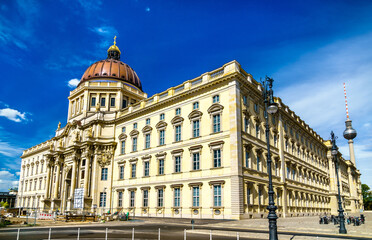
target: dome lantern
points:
(113, 52)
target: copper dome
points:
(112, 69)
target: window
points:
(133, 173)
(177, 164)
(132, 198)
(246, 124)
(123, 129)
(216, 123)
(42, 168)
(177, 197)
(122, 149)
(178, 133)
(147, 140)
(217, 195)
(216, 99)
(121, 172)
(247, 158)
(277, 169)
(293, 174)
(275, 141)
(162, 116)
(134, 125)
(249, 195)
(36, 169)
(178, 111)
(195, 128)
(288, 172)
(102, 199)
(103, 102)
(195, 105)
(258, 163)
(259, 196)
(93, 101)
(195, 196)
(35, 184)
(161, 166)
(286, 145)
(256, 109)
(120, 199)
(134, 147)
(278, 198)
(148, 121)
(145, 198)
(160, 197)
(112, 102)
(217, 158)
(147, 169)
(124, 103)
(257, 130)
(104, 174)
(245, 100)
(195, 161)
(40, 182)
(161, 137)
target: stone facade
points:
(196, 150)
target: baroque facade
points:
(196, 150)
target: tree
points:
(367, 197)
(4, 204)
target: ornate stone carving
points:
(89, 132)
(105, 157)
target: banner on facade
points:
(79, 198)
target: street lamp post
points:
(271, 108)
(341, 216)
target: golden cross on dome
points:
(115, 41)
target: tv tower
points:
(349, 133)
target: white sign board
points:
(79, 198)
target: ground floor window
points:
(102, 199)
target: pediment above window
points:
(215, 108)
(177, 119)
(134, 132)
(195, 114)
(147, 129)
(161, 125)
(122, 136)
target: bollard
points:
(18, 234)
(132, 233)
(159, 234)
(50, 233)
(237, 236)
(210, 235)
(78, 234)
(106, 234)
(184, 234)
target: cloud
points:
(107, 33)
(9, 150)
(7, 180)
(90, 5)
(73, 82)
(147, 9)
(12, 114)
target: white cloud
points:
(148, 9)
(73, 82)
(107, 33)
(8, 150)
(12, 114)
(7, 180)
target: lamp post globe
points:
(272, 108)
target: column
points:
(47, 182)
(94, 178)
(73, 178)
(86, 177)
(58, 176)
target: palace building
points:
(196, 150)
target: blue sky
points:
(309, 47)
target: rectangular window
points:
(216, 123)
(123, 129)
(122, 149)
(40, 182)
(148, 121)
(217, 158)
(195, 105)
(245, 100)
(257, 131)
(162, 116)
(134, 125)
(294, 174)
(147, 141)
(275, 141)
(177, 197)
(195, 128)
(246, 124)
(103, 102)
(259, 196)
(256, 109)
(247, 158)
(134, 168)
(177, 164)
(161, 137)
(112, 102)
(216, 99)
(93, 102)
(258, 163)
(145, 198)
(121, 172)
(104, 174)
(249, 195)
(178, 133)
(195, 196)
(102, 199)
(124, 103)
(132, 198)
(161, 166)
(42, 168)
(288, 172)
(217, 195)
(178, 111)
(147, 169)
(134, 147)
(160, 197)
(195, 161)
(120, 199)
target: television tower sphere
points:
(350, 133)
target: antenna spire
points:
(347, 108)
